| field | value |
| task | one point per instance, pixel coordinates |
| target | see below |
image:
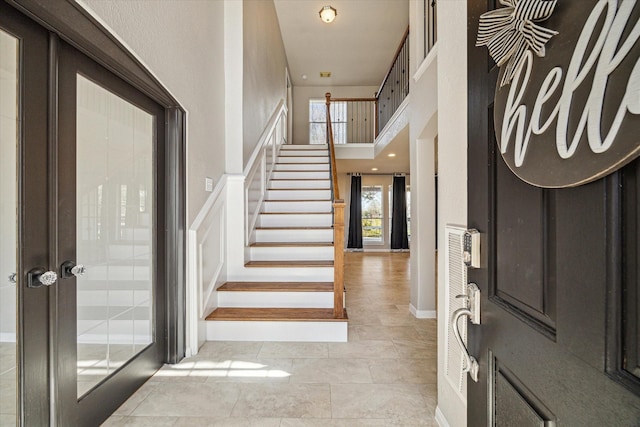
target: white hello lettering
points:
(607, 53)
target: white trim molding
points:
(422, 314)
(440, 418)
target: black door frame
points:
(67, 20)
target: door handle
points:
(472, 310)
(39, 277)
(70, 269)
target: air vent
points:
(325, 73)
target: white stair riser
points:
(294, 220)
(302, 194)
(293, 236)
(304, 153)
(302, 167)
(276, 299)
(300, 174)
(291, 253)
(304, 147)
(277, 331)
(296, 206)
(308, 159)
(305, 183)
(284, 274)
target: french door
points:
(82, 244)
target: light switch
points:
(208, 184)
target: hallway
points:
(384, 376)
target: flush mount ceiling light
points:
(391, 155)
(374, 169)
(328, 14)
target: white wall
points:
(264, 71)
(422, 133)
(183, 47)
(452, 161)
(302, 95)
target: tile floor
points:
(384, 376)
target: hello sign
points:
(567, 106)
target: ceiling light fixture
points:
(328, 14)
(391, 155)
(374, 169)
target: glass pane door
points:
(8, 226)
(114, 232)
(111, 311)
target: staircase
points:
(288, 294)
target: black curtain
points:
(355, 213)
(399, 238)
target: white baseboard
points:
(440, 418)
(423, 314)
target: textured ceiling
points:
(357, 47)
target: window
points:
(318, 122)
(372, 214)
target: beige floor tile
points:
(253, 370)
(227, 422)
(368, 332)
(118, 421)
(379, 401)
(293, 350)
(230, 349)
(331, 422)
(189, 399)
(363, 349)
(404, 371)
(331, 371)
(136, 399)
(284, 400)
(421, 349)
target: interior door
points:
(558, 339)
(82, 232)
(24, 227)
(110, 312)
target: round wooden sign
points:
(571, 116)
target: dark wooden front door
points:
(558, 343)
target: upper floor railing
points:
(395, 85)
(360, 120)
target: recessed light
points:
(304, 77)
(374, 169)
(391, 155)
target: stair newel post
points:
(338, 259)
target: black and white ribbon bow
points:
(508, 32)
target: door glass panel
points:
(115, 223)
(8, 225)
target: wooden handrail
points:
(338, 223)
(386, 77)
(332, 150)
(353, 99)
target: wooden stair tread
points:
(276, 264)
(289, 244)
(276, 287)
(276, 314)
